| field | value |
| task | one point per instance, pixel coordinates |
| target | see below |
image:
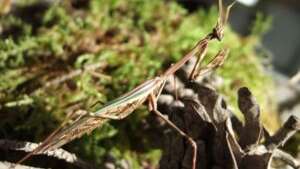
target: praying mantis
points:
(149, 91)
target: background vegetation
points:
(128, 42)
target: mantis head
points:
(218, 31)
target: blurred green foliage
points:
(131, 39)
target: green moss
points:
(133, 42)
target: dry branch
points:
(88, 68)
(6, 164)
(59, 154)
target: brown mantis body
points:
(149, 90)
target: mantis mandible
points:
(149, 90)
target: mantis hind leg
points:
(153, 108)
(97, 102)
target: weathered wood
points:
(223, 141)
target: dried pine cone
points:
(223, 141)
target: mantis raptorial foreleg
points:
(153, 108)
(200, 56)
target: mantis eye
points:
(218, 33)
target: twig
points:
(25, 101)
(72, 74)
(57, 153)
(287, 158)
(5, 164)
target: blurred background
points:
(280, 43)
(60, 56)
